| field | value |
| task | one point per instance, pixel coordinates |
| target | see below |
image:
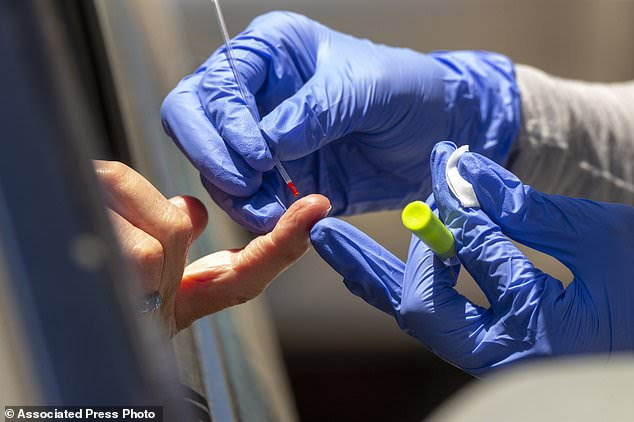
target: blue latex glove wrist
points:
(531, 314)
(351, 119)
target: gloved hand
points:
(351, 119)
(531, 314)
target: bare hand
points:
(155, 235)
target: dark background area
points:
(370, 387)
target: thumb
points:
(319, 112)
(508, 279)
(369, 270)
(228, 278)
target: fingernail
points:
(200, 275)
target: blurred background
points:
(346, 360)
(305, 350)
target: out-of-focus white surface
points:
(580, 390)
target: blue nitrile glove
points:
(531, 314)
(351, 119)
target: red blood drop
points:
(293, 189)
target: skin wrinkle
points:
(251, 268)
(134, 245)
(155, 234)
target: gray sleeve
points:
(576, 138)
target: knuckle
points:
(281, 21)
(169, 112)
(169, 103)
(405, 311)
(272, 17)
(182, 228)
(412, 311)
(113, 173)
(286, 251)
(148, 253)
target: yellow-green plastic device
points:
(418, 217)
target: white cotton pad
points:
(461, 189)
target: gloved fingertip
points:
(241, 186)
(277, 127)
(259, 214)
(268, 124)
(369, 271)
(471, 165)
(260, 160)
(323, 231)
(339, 244)
(489, 179)
(442, 149)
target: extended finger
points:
(228, 278)
(368, 269)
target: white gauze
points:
(461, 189)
